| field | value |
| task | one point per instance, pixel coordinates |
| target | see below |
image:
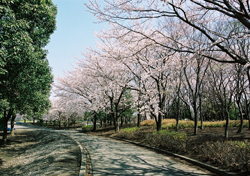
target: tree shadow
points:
(110, 157)
(42, 153)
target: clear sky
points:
(75, 30)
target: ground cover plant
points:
(208, 146)
(87, 128)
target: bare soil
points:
(38, 152)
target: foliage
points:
(25, 29)
(87, 128)
(129, 130)
(169, 140)
(129, 133)
(88, 115)
(232, 155)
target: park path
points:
(39, 151)
(111, 157)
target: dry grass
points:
(171, 123)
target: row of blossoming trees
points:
(176, 59)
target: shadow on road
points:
(111, 157)
(39, 152)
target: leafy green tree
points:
(126, 108)
(25, 75)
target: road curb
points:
(190, 160)
(83, 159)
(82, 149)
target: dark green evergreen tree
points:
(25, 75)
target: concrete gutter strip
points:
(83, 159)
(193, 161)
(83, 165)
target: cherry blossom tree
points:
(151, 66)
(224, 24)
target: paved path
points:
(39, 151)
(111, 157)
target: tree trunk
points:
(178, 114)
(200, 112)
(138, 119)
(121, 122)
(195, 121)
(94, 122)
(117, 127)
(5, 124)
(241, 119)
(177, 123)
(158, 122)
(114, 123)
(226, 127)
(248, 108)
(100, 123)
(117, 122)
(13, 123)
(248, 115)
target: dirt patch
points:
(39, 152)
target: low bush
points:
(169, 140)
(128, 133)
(87, 128)
(231, 155)
(211, 149)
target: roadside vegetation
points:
(186, 61)
(209, 146)
(171, 123)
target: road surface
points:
(111, 157)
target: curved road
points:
(111, 157)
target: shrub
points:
(232, 155)
(134, 129)
(87, 128)
(170, 140)
(129, 133)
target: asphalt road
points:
(111, 157)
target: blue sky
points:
(75, 30)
